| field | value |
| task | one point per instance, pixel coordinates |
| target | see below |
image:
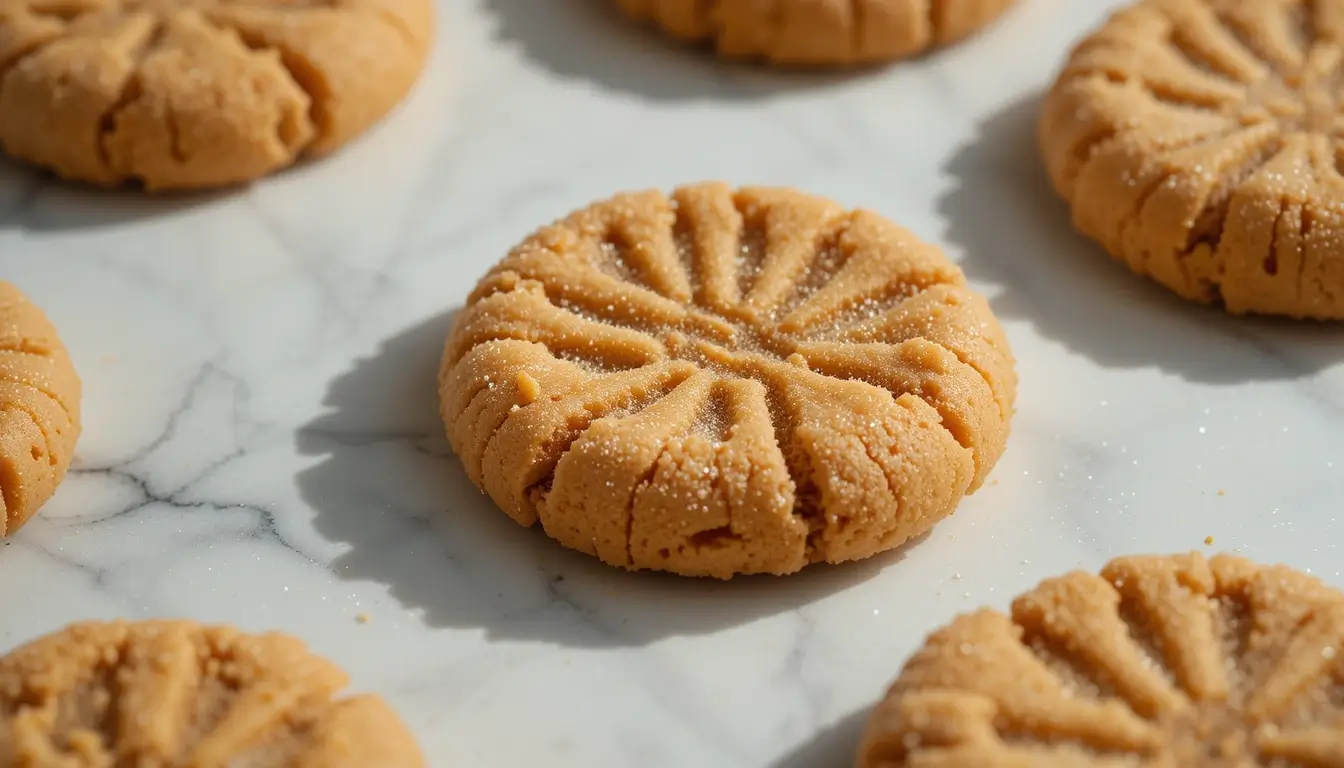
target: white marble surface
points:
(261, 445)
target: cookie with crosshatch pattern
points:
(826, 33)
(1158, 661)
(178, 94)
(726, 381)
(1199, 141)
(175, 693)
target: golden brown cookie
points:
(39, 409)
(818, 32)
(1199, 141)
(199, 93)
(726, 382)
(176, 694)
(1159, 661)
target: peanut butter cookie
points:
(726, 382)
(175, 694)
(1160, 661)
(1199, 142)
(818, 32)
(199, 93)
(39, 409)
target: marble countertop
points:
(261, 445)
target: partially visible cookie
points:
(1159, 661)
(1199, 142)
(39, 409)
(722, 381)
(818, 32)
(176, 694)
(199, 93)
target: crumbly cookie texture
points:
(39, 409)
(818, 32)
(1199, 142)
(176, 694)
(723, 382)
(179, 94)
(1159, 661)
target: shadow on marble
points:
(589, 40)
(34, 200)
(833, 746)
(387, 486)
(1015, 232)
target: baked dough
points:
(39, 409)
(723, 382)
(182, 94)
(1198, 142)
(176, 694)
(1159, 661)
(818, 32)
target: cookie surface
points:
(818, 32)
(39, 409)
(174, 693)
(199, 93)
(1197, 141)
(726, 382)
(1159, 661)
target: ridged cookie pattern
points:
(39, 409)
(199, 93)
(818, 32)
(177, 694)
(1199, 141)
(1159, 661)
(722, 382)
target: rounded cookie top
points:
(1158, 661)
(1197, 140)
(199, 93)
(39, 409)
(816, 32)
(723, 382)
(173, 693)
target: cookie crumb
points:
(528, 389)
(1208, 541)
(361, 618)
(1221, 492)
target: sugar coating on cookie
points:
(1199, 142)
(39, 409)
(1159, 661)
(723, 382)
(818, 32)
(199, 93)
(174, 693)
